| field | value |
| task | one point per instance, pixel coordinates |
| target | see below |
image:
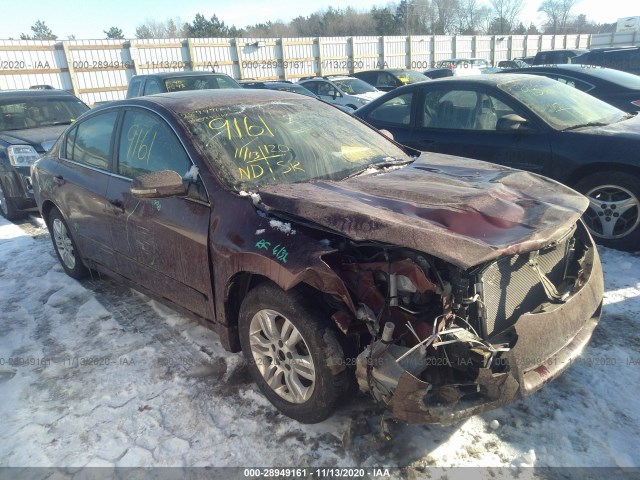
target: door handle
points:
(58, 179)
(117, 205)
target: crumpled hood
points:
(463, 211)
(42, 138)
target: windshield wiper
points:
(379, 166)
(583, 125)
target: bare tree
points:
(472, 17)
(557, 12)
(506, 14)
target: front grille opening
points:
(511, 286)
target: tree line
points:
(408, 17)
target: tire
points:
(309, 389)
(7, 208)
(65, 246)
(613, 217)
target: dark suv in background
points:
(626, 59)
(30, 122)
(554, 57)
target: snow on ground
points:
(94, 374)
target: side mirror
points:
(165, 183)
(513, 122)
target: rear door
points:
(81, 185)
(161, 244)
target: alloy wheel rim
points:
(64, 244)
(282, 356)
(614, 211)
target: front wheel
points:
(65, 247)
(613, 217)
(293, 353)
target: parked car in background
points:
(456, 67)
(617, 88)
(533, 123)
(327, 252)
(286, 86)
(276, 85)
(528, 60)
(30, 122)
(341, 90)
(390, 78)
(515, 63)
(151, 84)
(626, 59)
(555, 57)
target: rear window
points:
(204, 82)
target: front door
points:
(160, 243)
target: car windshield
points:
(288, 141)
(479, 62)
(199, 82)
(353, 86)
(411, 76)
(561, 106)
(39, 112)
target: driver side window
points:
(147, 144)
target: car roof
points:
(181, 74)
(191, 100)
(491, 79)
(11, 94)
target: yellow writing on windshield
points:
(240, 127)
(267, 158)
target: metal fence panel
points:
(99, 70)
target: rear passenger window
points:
(147, 144)
(90, 142)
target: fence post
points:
(283, 59)
(382, 44)
(350, 55)
(234, 42)
(409, 50)
(191, 60)
(72, 70)
(319, 71)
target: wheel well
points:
(577, 175)
(47, 206)
(242, 283)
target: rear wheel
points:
(293, 353)
(65, 247)
(7, 208)
(613, 217)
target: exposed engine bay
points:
(432, 336)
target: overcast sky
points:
(88, 18)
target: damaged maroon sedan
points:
(326, 252)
